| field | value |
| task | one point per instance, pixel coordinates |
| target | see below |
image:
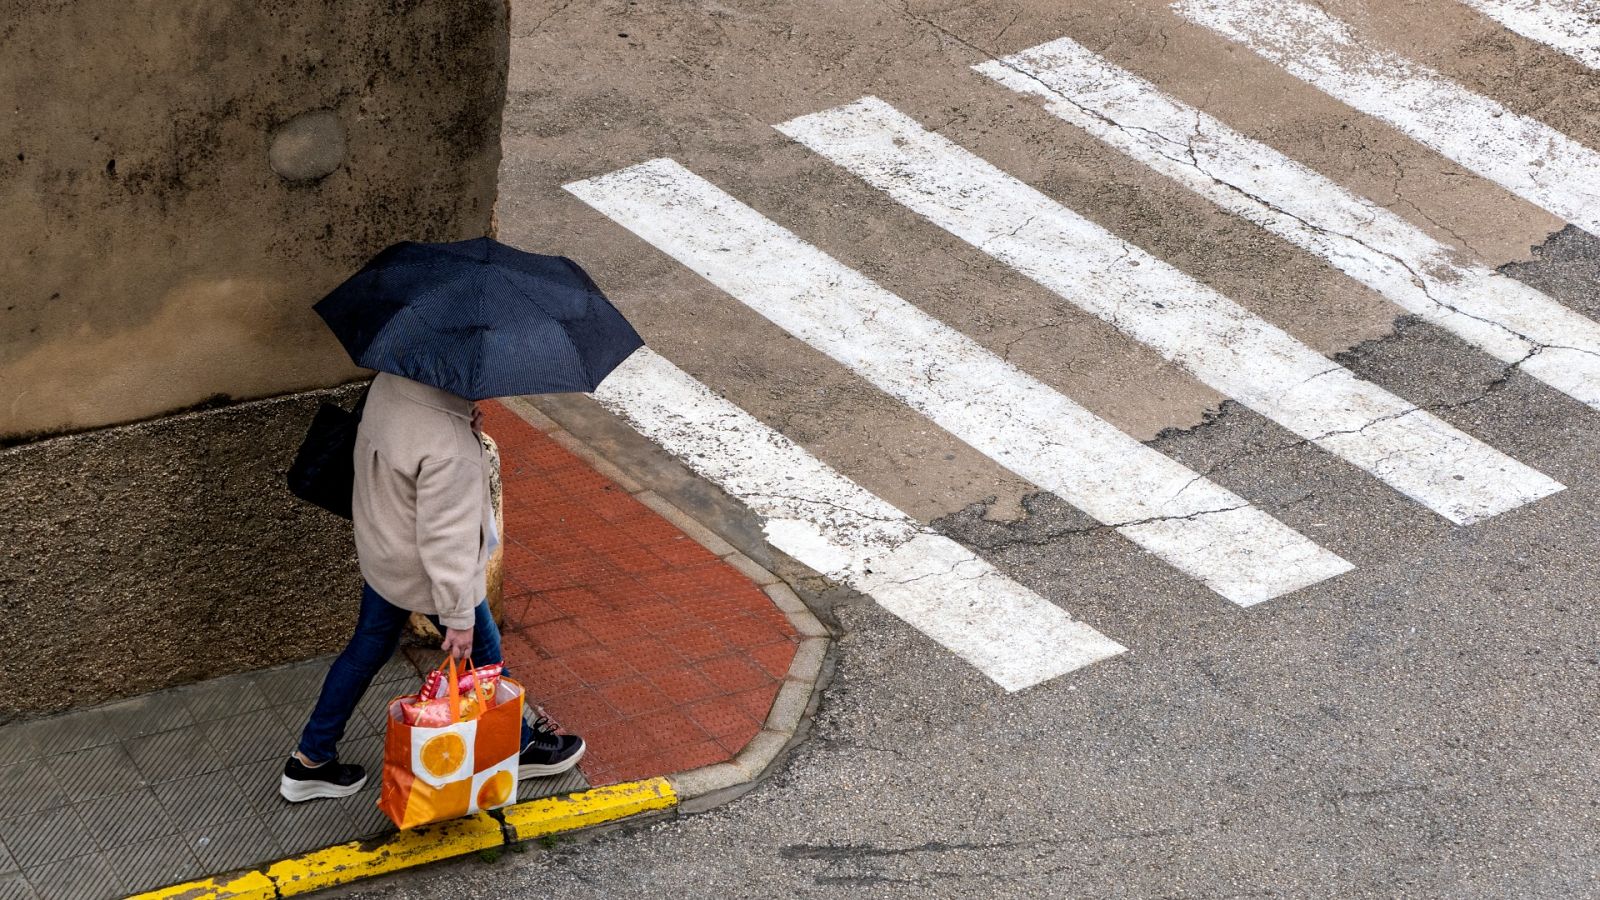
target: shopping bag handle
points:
(455, 688)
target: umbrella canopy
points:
(479, 319)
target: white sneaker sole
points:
(536, 770)
(296, 791)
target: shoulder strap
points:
(361, 404)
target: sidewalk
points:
(663, 651)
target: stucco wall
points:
(180, 181)
(153, 255)
(155, 554)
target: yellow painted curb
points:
(551, 815)
(249, 886)
(361, 859)
(344, 863)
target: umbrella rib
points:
(582, 363)
(519, 289)
(365, 275)
(478, 335)
(408, 311)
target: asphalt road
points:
(1421, 725)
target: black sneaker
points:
(548, 753)
(331, 779)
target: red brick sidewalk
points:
(628, 632)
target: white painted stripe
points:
(836, 527)
(1166, 508)
(1527, 157)
(1500, 315)
(1221, 343)
(1571, 26)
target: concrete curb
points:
(344, 863)
(710, 785)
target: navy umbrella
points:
(479, 319)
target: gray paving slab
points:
(368, 720)
(201, 800)
(307, 826)
(233, 845)
(156, 863)
(80, 878)
(17, 743)
(257, 784)
(293, 682)
(44, 837)
(399, 668)
(364, 724)
(73, 731)
(294, 714)
(15, 886)
(361, 808)
(565, 783)
(221, 698)
(123, 819)
(374, 707)
(150, 714)
(28, 786)
(248, 737)
(95, 772)
(172, 755)
(423, 658)
(366, 752)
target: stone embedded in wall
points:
(308, 146)
(172, 215)
(173, 212)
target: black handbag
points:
(324, 469)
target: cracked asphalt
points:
(1422, 726)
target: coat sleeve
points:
(449, 521)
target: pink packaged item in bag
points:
(433, 686)
(430, 708)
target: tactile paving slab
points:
(628, 632)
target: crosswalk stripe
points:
(1571, 26)
(1221, 343)
(1523, 155)
(1171, 511)
(824, 520)
(1503, 316)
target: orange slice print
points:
(443, 754)
(496, 790)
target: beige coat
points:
(421, 503)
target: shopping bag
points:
(431, 774)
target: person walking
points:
(424, 530)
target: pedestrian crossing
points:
(1521, 154)
(1571, 26)
(1215, 339)
(1179, 516)
(1501, 316)
(1171, 511)
(831, 524)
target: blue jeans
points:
(378, 629)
